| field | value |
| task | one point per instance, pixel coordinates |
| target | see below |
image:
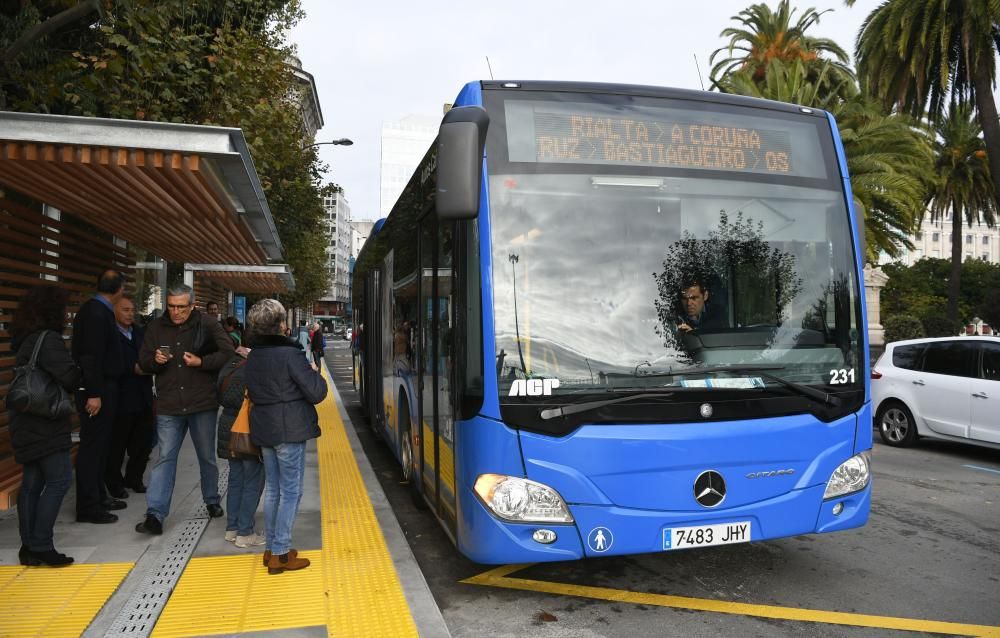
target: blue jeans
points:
(285, 469)
(43, 486)
(246, 483)
(170, 431)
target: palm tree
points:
(791, 83)
(770, 35)
(888, 159)
(926, 55)
(962, 187)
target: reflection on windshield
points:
(602, 283)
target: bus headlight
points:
(852, 476)
(521, 500)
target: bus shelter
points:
(162, 202)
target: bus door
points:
(372, 342)
(437, 314)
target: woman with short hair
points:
(42, 445)
(284, 389)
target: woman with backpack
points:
(246, 473)
(42, 444)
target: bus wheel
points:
(407, 456)
(896, 425)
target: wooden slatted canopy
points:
(186, 193)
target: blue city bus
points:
(609, 319)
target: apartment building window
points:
(968, 239)
(920, 236)
(986, 241)
(986, 257)
(935, 236)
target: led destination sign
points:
(545, 132)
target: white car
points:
(945, 388)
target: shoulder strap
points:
(38, 346)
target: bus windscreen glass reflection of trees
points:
(634, 238)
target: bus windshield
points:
(634, 239)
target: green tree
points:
(900, 327)
(924, 56)
(962, 188)
(888, 159)
(197, 61)
(768, 35)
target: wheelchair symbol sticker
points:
(600, 539)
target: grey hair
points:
(181, 289)
(266, 317)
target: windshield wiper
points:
(761, 370)
(576, 408)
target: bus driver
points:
(694, 313)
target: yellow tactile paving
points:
(235, 594)
(365, 597)
(52, 602)
(351, 587)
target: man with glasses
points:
(185, 349)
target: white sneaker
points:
(230, 535)
(248, 541)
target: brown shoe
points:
(292, 553)
(286, 563)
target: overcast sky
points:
(379, 61)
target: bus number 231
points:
(841, 376)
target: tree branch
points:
(69, 16)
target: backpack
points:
(230, 386)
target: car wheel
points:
(896, 425)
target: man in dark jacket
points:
(133, 428)
(185, 349)
(97, 351)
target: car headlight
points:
(521, 500)
(852, 476)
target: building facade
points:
(338, 254)
(360, 230)
(305, 96)
(404, 143)
(979, 241)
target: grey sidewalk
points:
(119, 542)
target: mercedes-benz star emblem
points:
(709, 488)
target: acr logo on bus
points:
(532, 387)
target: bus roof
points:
(713, 97)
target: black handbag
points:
(34, 391)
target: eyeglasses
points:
(181, 307)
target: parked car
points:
(944, 388)
(348, 334)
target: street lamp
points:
(341, 142)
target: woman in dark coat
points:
(42, 445)
(284, 389)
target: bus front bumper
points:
(601, 530)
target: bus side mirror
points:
(460, 162)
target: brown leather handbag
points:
(240, 445)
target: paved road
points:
(931, 552)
